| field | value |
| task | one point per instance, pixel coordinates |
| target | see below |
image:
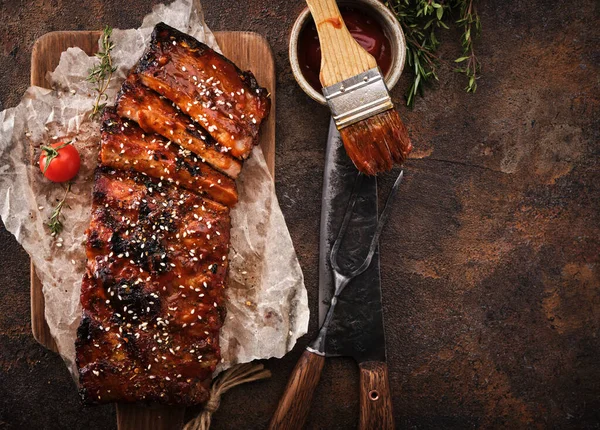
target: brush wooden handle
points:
(375, 397)
(341, 56)
(294, 405)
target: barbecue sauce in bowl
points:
(363, 28)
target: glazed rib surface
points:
(155, 114)
(227, 102)
(153, 294)
(126, 146)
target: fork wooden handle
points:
(294, 405)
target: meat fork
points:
(341, 277)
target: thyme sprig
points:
(102, 72)
(55, 224)
(420, 20)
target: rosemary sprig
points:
(420, 20)
(55, 223)
(469, 21)
(102, 72)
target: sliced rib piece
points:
(126, 146)
(156, 114)
(153, 295)
(227, 102)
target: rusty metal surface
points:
(493, 304)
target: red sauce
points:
(335, 22)
(365, 31)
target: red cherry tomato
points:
(60, 161)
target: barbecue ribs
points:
(157, 245)
(155, 114)
(227, 102)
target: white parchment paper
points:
(267, 306)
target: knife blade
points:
(356, 329)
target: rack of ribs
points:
(153, 293)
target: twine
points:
(237, 375)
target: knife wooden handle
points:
(294, 405)
(375, 397)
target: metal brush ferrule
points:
(358, 98)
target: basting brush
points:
(373, 134)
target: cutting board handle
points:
(294, 405)
(375, 397)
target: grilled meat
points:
(155, 114)
(157, 245)
(126, 146)
(153, 295)
(227, 102)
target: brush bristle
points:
(376, 143)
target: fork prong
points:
(380, 223)
(375, 239)
(349, 210)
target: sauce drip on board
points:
(363, 28)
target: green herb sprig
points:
(55, 224)
(102, 72)
(420, 20)
(469, 21)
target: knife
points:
(355, 327)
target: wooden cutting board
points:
(250, 51)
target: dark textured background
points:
(490, 262)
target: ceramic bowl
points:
(387, 21)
